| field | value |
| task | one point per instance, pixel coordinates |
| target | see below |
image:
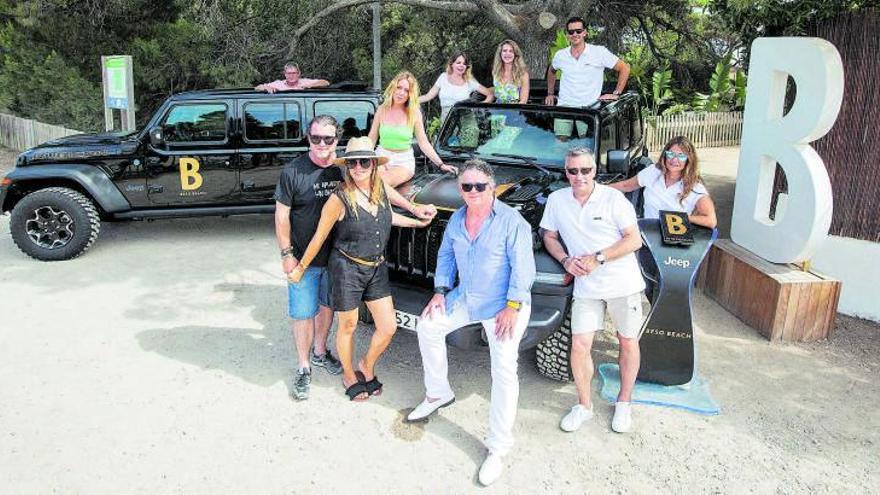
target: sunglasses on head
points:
(364, 163)
(582, 171)
(575, 31)
(479, 186)
(325, 139)
(669, 154)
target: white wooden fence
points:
(20, 134)
(705, 129)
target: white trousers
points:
(505, 383)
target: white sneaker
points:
(573, 420)
(426, 408)
(622, 421)
(491, 469)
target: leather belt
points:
(362, 261)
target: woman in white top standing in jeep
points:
(455, 85)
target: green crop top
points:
(395, 137)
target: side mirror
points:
(618, 162)
(157, 137)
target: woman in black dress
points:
(362, 216)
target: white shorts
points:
(405, 159)
(588, 315)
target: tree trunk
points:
(536, 55)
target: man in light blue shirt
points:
(489, 246)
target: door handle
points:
(248, 185)
(155, 189)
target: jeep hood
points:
(441, 190)
(79, 147)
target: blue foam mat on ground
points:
(694, 396)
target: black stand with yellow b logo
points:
(667, 342)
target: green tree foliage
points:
(50, 49)
(746, 20)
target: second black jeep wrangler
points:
(212, 152)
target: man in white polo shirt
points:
(583, 70)
(599, 228)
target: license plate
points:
(406, 320)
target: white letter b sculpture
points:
(803, 217)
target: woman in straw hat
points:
(362, 216)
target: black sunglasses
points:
(575, 31)
(479, 186)
(582, 171)
(365, 163)
(326, 139)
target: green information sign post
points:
(118, 81)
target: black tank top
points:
(364, 236)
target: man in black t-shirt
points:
(305, 184)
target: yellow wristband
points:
(514, 305)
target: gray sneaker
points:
(326, 361)
(301, 384)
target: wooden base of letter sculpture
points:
(782, 302)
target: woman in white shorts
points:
(397, 121)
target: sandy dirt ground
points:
(161, 362)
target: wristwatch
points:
(288, 251)
(441, 290)
(600, 257)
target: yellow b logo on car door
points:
(190, 178)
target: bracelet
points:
(288, 251)
(563, 260)
(514, 305)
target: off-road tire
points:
(553, 355)
(74, 216)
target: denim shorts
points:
(304, 297)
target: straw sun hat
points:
(360, 148)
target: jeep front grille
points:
(414, 251)
(526, 192)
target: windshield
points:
(541, 136)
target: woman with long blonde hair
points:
(510, 77)
(397, 121)
(455, 85)
(362, 216)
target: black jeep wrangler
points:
(526, 145)
(215, 152)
